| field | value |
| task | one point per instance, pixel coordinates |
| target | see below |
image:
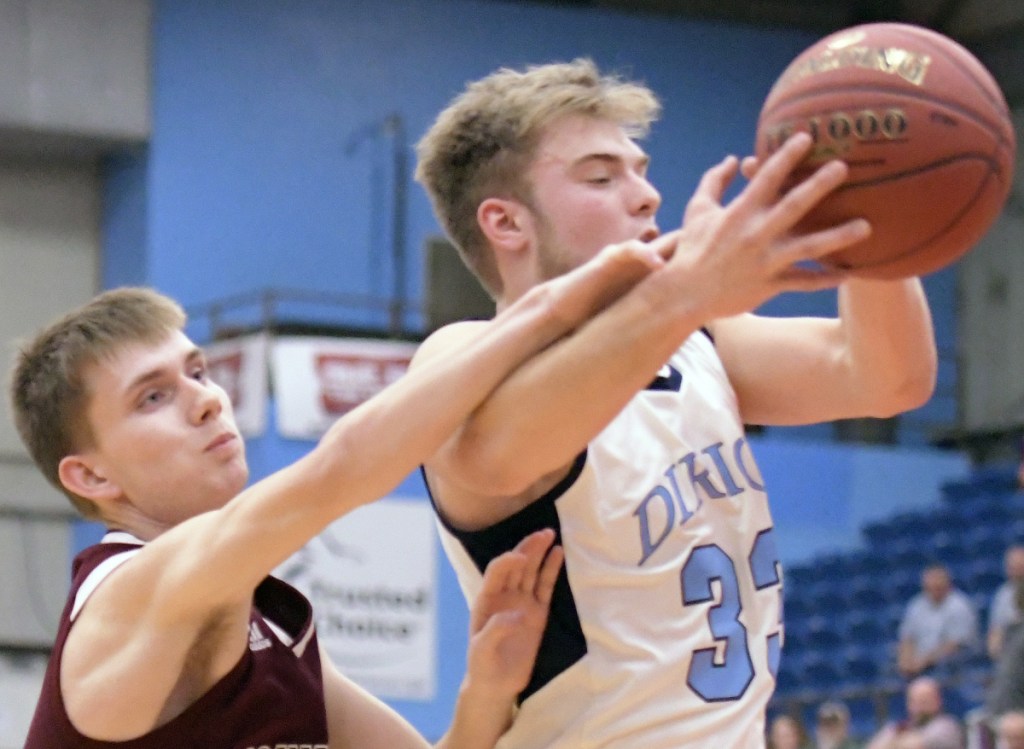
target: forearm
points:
(553, 405)
(368, 451)
(907, 660)
(946, 650)
(994, 642)
(890, 343)
(479, 719)
(398, 430)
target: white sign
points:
(239, 365)
(316, 380)
(372, 579)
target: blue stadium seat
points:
(909, 525)
(869, 593)
(984, 575)
(1013, 533)
(957, 700)
(864, 721)
(867, 628)
(982, 511)
(820, 673)
(903, 584)
(798, 576)
(864, 562)
(892, 616)
(796, 630)
(1014, 502)
(961, 492)
(896, 704)
(880, 534)
(823, 634)
(992, 512)
(828, 597)
(974, 681)
(981, 539)
(831, 566)
(949, 546)
(788, 679)
(862, 664)
(795, 606)
(995, 476)
(911, 553)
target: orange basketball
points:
(925, 130)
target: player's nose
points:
(206, 402)
(645, 199)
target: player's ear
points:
(82, 476)
(505, 223)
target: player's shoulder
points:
(448, 338)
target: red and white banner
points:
(316, 380)
(239, 365)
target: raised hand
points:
(509, 615)
(746, 251)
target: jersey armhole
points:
(97, 576)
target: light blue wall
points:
(823, 494)
(248, 182)
(266, 167)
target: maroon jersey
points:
(273, 698)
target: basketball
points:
(925, 130)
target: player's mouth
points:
(224, 441)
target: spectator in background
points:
(1006, 691)
(788, 732)
(1010, 733)
(939, 625)
(832, 729)
(927, 726)
(1020, 465)
(1005, 609)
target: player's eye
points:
(153, 397)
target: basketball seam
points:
(993, 170)
(968, 206)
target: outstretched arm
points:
(194, 581)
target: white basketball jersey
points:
(665, 628)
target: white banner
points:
(316, 380)
(372, 579)
(239, 365)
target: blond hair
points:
(48, 394)
(483, 143)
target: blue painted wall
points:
(268, 166)
(263, 169)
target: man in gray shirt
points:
(1004, 610)
(939, 624)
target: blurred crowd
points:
(940, 631)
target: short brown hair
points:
(482, 144)
(47, 391)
